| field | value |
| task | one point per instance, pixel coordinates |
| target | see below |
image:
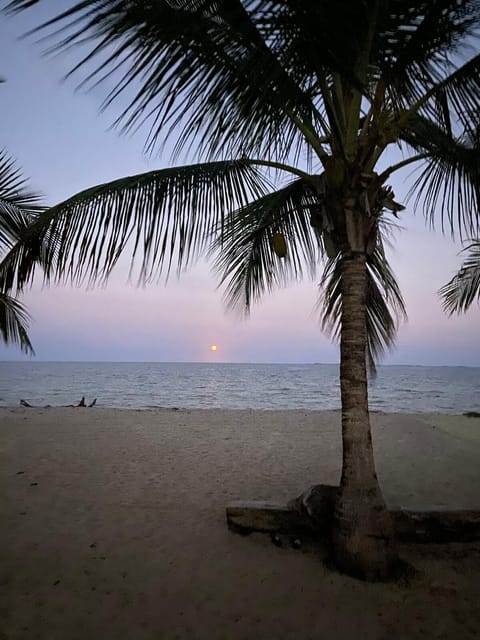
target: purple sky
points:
(64, 144)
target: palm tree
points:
(464, 288)
(17, 207)
(311, 95)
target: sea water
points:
(234, 386)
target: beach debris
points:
(439, 589)
(82, 403)
(56, 582)
(295, 543)
(19, 473)
(34, 484)
(93, 545)
(277, 541)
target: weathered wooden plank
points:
(312, 513)
(246, 517)
(436, 526)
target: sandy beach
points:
(113, 526)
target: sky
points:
(64, 144)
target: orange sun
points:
(213, 347)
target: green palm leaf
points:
(14, 323)
(195, 79)
(453, 102)
(165, 216)
(449, 178)
(18, 207)
(416, 42)
(462, 290)
(245, 259)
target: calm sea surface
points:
(234, 386)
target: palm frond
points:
(195, 79)
(245, 259)
(19, 208)
(165, 216)
(464, 288)
(418, 43)
(385, 307)
(454, 102)
(18, 5)
(14, 323)
(448, 184)
(18, 205)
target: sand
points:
(113, 527)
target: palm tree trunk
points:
(362, 532)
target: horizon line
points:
(245, 362)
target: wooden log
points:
(436, 526)
(312, 513)
(247, 517)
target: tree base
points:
(312, 514)
(362, 535)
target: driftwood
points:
(82, 403)
(312, 514)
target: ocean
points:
(234, 386)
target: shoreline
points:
(458, 425)
(466, 427)
(448, 390)
(99, 406)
